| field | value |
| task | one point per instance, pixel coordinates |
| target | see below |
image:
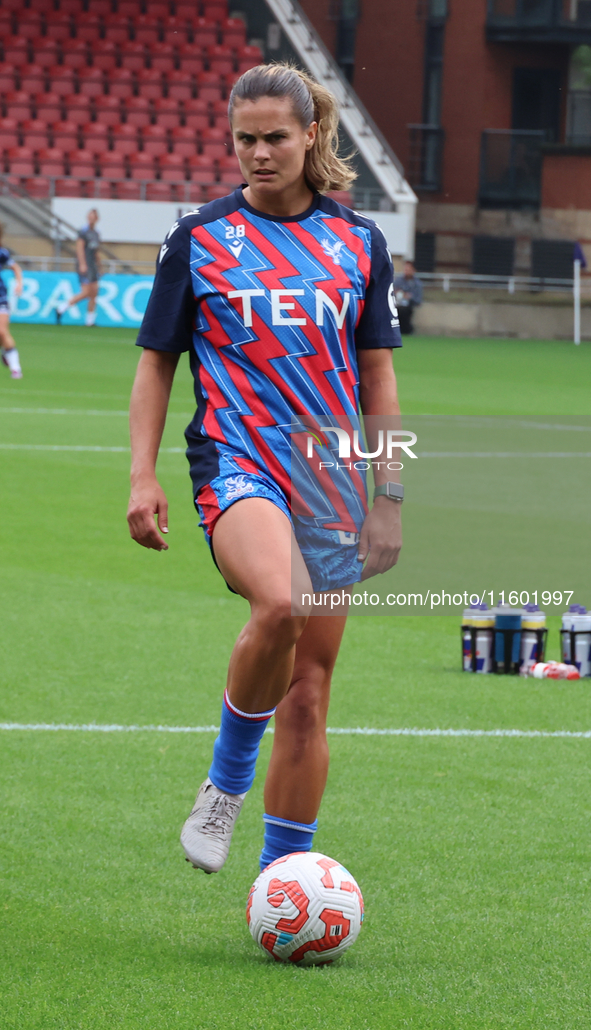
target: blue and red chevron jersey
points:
(273, 311)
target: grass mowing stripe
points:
(339, 731)
(504, 454)
(80, 411)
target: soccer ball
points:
(305, 908)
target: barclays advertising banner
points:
(121, 300)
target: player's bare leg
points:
(255, 553)
(10, 356)
(298, 769)
(89, 292)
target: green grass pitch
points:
(473, 854)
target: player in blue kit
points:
(8, 351)
(284, 300)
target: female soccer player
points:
(89, 270)
(283, 298)
(8, 350)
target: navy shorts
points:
(330, 555)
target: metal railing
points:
(425, 157)
(511, 284)
(510, 168)
(110, 266)
(98, 188)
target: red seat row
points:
(125, 8)
(188, 57)
(122, 82)
(144, 29)
(139, 111)
(121, 189)
(123, 140)
(84, 164)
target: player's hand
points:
(381, 537)
(146, 504)
(18, 289)
(83, 269)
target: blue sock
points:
(282, 836)
(236, 749)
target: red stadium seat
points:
(205, 33)
(30, 24)
(88, 26)
(69, 188)
(133, 55)
(108, 110)
(138, 112)
(158, 191)
(181, 85)
(250, 53)
(127, 190)
(216, 192)
(45, 51)
(79, 108)
(125, 139)
(102, 7)
(185, 10)
(146, 29)
(197, 116)
(17, 104)
(8, 81)
(51, 161)
(59, 26)
(191, 58)
(172, 168)
(48, 107)
(12, 5)
(234, 32)
(104, 55)
(34, 134)
(65, 135)
(154, 141)
(16, 50)
(185, 141)
(129, 8)
(62, 79)
(121, 83)
(91, 81)
(142, 166)
(41, 6)
(112, 166)
(215, 12)
(33, 78)
(96, 137)
(71, 6)
(176, 31)
(210, 87)
(39, 187)
(157, 9)
(150, 84)
(162, 57)
(117, 31)
(230, 174)
(201, 170)
(75, 53)
(9, 133)
(215, 144)
(167, 113)
(82, 164)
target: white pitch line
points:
(358, 731)
(81, 448)
(80, 411)
(477, 421)
(504, 454)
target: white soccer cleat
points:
(207, 833)
(16, 373)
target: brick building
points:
(488, 105)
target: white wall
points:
(141, 221)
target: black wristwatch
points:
(395, 491)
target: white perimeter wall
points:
(141, 221)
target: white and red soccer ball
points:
(305, 908)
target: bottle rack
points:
(506, 666)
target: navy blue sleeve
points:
(5, 258)
(170, 314)
(379, 325)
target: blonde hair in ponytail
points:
(324, 170)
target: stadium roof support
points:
(357, 122)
